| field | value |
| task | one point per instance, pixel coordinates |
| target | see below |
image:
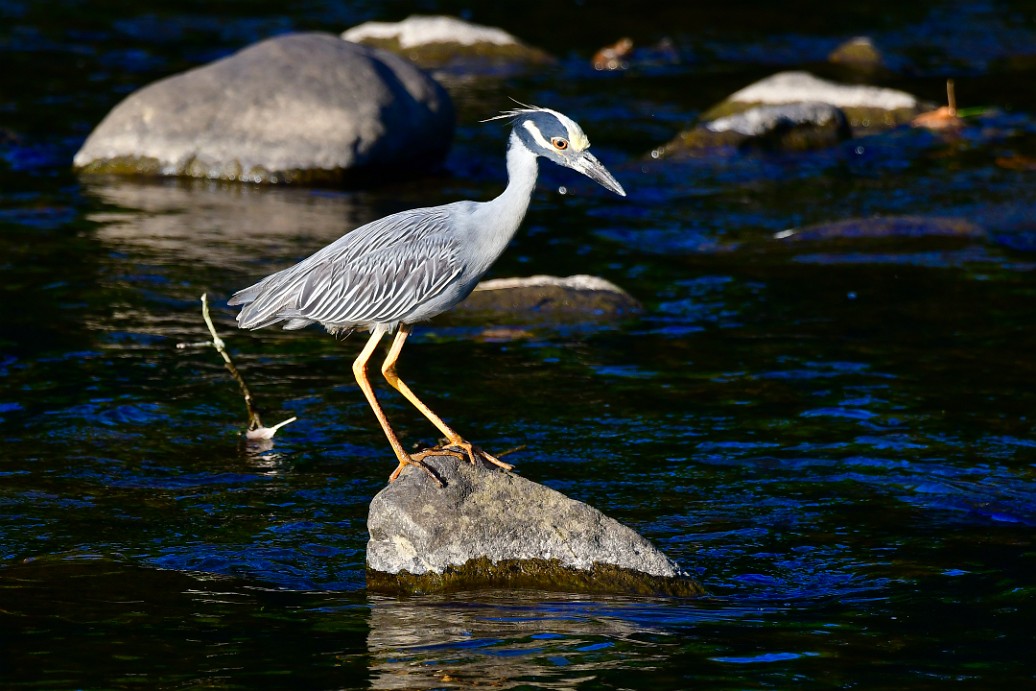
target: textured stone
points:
(296, 108)
(488, 527)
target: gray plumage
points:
(413, 265)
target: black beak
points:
(588, 165)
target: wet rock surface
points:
(490, 528)
(295, 108)
(547, 298)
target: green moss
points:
(233, 171)
(535, 574)
(123, 165)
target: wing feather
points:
(378, 273)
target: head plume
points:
(575, 132)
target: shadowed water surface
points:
(834, 434)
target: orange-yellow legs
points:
(388, 368)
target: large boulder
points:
(451, 44)
(490, 528)
(296, 108)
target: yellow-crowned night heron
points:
(413, 265)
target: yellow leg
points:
(360, 372)
(388, 368)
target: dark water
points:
(837, 437)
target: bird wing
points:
(377, 273)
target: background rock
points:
(547, 298)
(860, 55)
(487, 528)
(295, 108)
(781, 127)
(882, 227)
(449, 43)
(867, 107)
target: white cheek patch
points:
(576, 137)
(536, 134)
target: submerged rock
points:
(782, 127)
(867, 107)
(295, 108)
(489, 528)
(449, 43)
(881, 227)
(553, 298)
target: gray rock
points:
(295, 108)
(780, 127)
(487, 527)
(867, 107)
(451, 44)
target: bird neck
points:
(522, 171)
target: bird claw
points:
(418, 460)
(472, 452)
(461, 450)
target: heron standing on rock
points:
(411, 266)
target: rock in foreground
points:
(306, 108)
(489, 528)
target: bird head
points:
(558, 138)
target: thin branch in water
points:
(255, 425)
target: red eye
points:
(560, 143)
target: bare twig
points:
(255, 424)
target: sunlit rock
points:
(867, 107)
(490, 528)
(449, 43)
(782, 127)
(859, 54)
(546, 298)
(295, 108)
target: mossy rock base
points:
(477, 56)
(232, 171)
(532, 574)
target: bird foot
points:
(418, 460)
(461, 450)
(471, 452)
